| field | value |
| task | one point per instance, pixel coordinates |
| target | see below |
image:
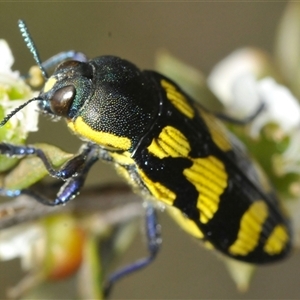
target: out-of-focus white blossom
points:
(24, 242)
(235, 80)
(281, 107)
(234, 73)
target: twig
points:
(104, 199)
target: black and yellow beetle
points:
(168, 148)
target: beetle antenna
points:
(31, 46)
(12, 113)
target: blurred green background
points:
(199, 33)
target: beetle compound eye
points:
(62, 100)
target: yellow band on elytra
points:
(100, 137)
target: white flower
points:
(13, 92)
(7, 60)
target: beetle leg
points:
(154, 242)
(62, 56)
(74, 171)
(243, 121)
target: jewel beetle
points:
(168, 147)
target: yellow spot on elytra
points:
(177, 99)
(158, 190)
(217, 130)
(277, 240)
(49, 84)
(170, 142)
(207, 174)
(209, 177)
(250, 228)
(186, 224)
(102, 138)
